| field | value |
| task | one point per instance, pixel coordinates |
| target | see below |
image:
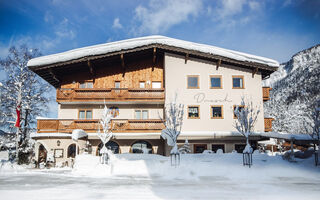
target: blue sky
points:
(272, 28)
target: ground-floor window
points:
(111, 145)
(199, 148)
(215, 147)
(141, 147)
(72, 151)
(239, 147)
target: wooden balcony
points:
(266, 93)
(119, 125)
(112, 94)
(268, 124)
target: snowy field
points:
(133, 176)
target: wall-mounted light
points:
(58, 143)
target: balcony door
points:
(141, 114)
(117, 86)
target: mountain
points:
(295, 91)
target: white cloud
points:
(159, 16)
(63, 30)
(230, 7)
(229, 13)
(48, 17)
(116, 23)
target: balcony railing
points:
(112, 94)
(266, 93)
(118, 125)
(268, 124)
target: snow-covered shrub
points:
(185, 148)
(219, 151)
(207, 152)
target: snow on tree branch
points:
(246, 118)
(173, 122)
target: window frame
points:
(198, 106)
(134, 117)
(115, 84)
(85, 110)
(211, 113)
(156, 82)
(238, 76)
(144, 82)
(234, 107)
(86, 84)
(198, 81)
(215, 76)
(224, 146)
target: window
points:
(71, 151)
(141, 114)
(237, 82)
(142, 84)
(234, 109)
(199, 148)
(141, 147)
(87, 84)
(216, 112)
(215, 82)
(193, 82)
(117, 84)
(239, 147)
(215, 147)
(113, 146)
(85, 114)
(156, 84)
(193, 112)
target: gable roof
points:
(146, 41)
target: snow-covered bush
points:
(185, 148)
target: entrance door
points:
(199, 148)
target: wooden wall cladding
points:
(135, 70)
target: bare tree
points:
(106, 135)
(173, 122)
(247, 116)
(24, 91)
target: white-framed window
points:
(141, 114)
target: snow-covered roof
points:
(144, 41)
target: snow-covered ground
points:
(137, 176)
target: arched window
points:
(72, 151)
(142, 147)
(42, 154)
(113, 146)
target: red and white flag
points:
(18, 110)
